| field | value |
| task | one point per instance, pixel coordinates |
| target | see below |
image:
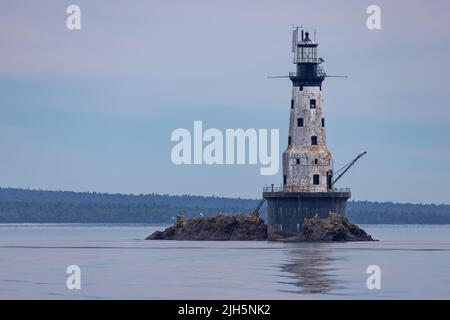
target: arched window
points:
(299, 122)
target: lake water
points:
(117, 264)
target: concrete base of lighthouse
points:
(286, 211)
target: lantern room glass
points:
(306, 54)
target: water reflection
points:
(309, 264)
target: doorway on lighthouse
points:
(329, 179)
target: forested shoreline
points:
(41, 206)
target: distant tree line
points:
(397, 213)
(40, 206)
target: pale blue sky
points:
(93, 110)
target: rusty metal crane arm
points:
(260, 204)
(345, 168)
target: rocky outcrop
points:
(220, 227)
(251, 227)
(333, 228)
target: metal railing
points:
(273, 188)
(345, 189)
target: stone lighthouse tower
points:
(307, 187)
(307, 162)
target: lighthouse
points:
(308, 181)
(307, 162)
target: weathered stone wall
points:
(300, 157)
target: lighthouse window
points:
(292, 104)
(284, 180)
(300, 122)
(289, 140)
(312, 103)
(316, 179)
(323, 122)
(314, 140)
(298, 161)
(316, 161)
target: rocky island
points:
(252, 228)
(333, 228)
(220, 227)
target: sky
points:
(94, 109)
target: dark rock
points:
(220, 227)
(333, 228)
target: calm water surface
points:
(117, 264)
